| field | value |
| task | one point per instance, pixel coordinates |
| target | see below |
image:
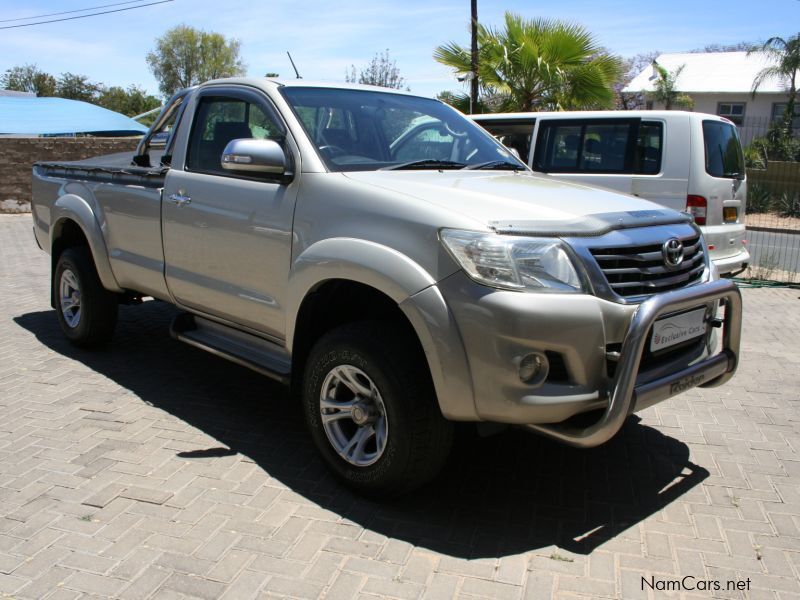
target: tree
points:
(785, 58)
(185, 56)
(487, 103)
(631, 67)
(666, 89)
(28, 78)
(131, 101)
(77, 87)
(381, 71)
(737, 47)
(539, 64)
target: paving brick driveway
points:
(151, 469)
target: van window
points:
(648, 148)
(723, 150)
(514, 134)
(624, 146)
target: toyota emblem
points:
(672, 250)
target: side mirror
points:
(254, 156)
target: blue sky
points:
(326, 37)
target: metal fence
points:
(773, 222)
(752, 128)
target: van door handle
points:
(180, 199)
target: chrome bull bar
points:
(627, 396)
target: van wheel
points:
(371, 409)
(87, 312)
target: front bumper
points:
(498, 328)
(628, 394)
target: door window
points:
(218, 121)
(649, 144)
(610, 146)
(513, 135)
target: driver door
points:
(227, 237)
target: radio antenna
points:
(293, 66)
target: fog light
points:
(533, 368)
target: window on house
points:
(779, 110)
(732, 110)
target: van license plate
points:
(675, 329)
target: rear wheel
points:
(87, 312)
(371, 408)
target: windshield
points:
(359, 130)
(723, 151)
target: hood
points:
(523, 202)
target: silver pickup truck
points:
(394, 264)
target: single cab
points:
(394, 264)
(687, 161)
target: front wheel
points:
(371, 408)
(87, 312)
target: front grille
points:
(640, 270)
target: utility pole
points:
(473, 96)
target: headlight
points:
(514, 263)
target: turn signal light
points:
(697, 207)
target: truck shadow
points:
(502, 495)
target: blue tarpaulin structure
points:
(59, 116)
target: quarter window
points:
(733, 111)
(218, 121)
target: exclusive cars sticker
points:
(678, 328)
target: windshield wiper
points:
(496, 164)
(427, 163)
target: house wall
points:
(757, 111)
(17, 156)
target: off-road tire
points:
(98, 306)
(419, 438)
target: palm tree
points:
(785, 58)
(666, 88)
(539, 64)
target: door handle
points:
(180, 199)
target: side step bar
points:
(236, 346)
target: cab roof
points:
(280, 82)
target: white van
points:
(684, 160)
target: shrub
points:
(759, 198)
(788, 205)
(755, 155)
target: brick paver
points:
(151, 469)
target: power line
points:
(106, 12)
(67, 12)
